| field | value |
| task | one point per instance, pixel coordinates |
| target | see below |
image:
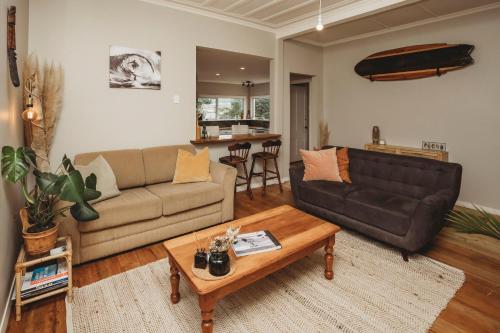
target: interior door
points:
(299, 120)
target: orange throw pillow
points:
(343, 163)
(321, 165)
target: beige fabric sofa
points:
(150, 208)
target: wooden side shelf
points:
(409, 151)
(24, 261)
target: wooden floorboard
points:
(475, 307)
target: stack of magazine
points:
(43, 278)
(255, 242)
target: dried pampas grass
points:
(53, 80)
(47, 91)
(324, 133)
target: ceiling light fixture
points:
(242, 68)
(247, 84)
(319, 26)
(217, 74)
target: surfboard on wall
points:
(415, 62)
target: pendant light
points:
(319, 26)
(29, 114)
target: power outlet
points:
(441, 146)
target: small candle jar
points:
(219, 263)
(200, 260)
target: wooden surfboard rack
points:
(415, 62)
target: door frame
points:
(307, 83)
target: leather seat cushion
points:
(133, 205)
(181, 197)
(387, 211)
(325, 194)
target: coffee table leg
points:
(329, 257)
(207, 306)
(175, 297)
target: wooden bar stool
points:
(270, 151)
(238, 155)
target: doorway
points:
(299, 115)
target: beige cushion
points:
(137, 204)
(181, 197)
(142, 238)
(192, 168)
(127, 165)
(107, 235)
(159, 162)
(106, 180)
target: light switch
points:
(177, 99)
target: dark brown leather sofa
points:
(399, 200)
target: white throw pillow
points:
(106, 180)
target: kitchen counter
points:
(236, 138)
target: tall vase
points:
(375, 135)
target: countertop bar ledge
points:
(236, 138)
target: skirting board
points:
(8, 307)
(490, 210)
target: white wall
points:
(229, 89)
(304, 59)
(10, 134)
(461, 108)
(220, 89)
(78, 35)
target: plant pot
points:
(37, 242)
(218, 264)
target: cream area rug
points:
(373, 290)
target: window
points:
(260, 107)
(208, 107)
(221, 108)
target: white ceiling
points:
(209, 62)
(268, 13)
(344, 20)
(420, 12)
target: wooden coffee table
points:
(300, 234)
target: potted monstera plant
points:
(44, 200)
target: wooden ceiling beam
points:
(207, 2)
(259, 8)
(234, 5)
(284, 11)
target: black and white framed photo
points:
(134, 68)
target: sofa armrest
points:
(68, 226)
(441, 200)
(429, 218)
(296, 176)
(226, 176)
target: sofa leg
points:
(404, 253)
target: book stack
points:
(255, 242)
(44, 278)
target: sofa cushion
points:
(192, 168)
(159, 162)
(387, 211)
(320, 165)
(181, 197)
(325, 194)
(106, 179)
(127, 165)
(133, 205)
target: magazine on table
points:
(255, 242)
